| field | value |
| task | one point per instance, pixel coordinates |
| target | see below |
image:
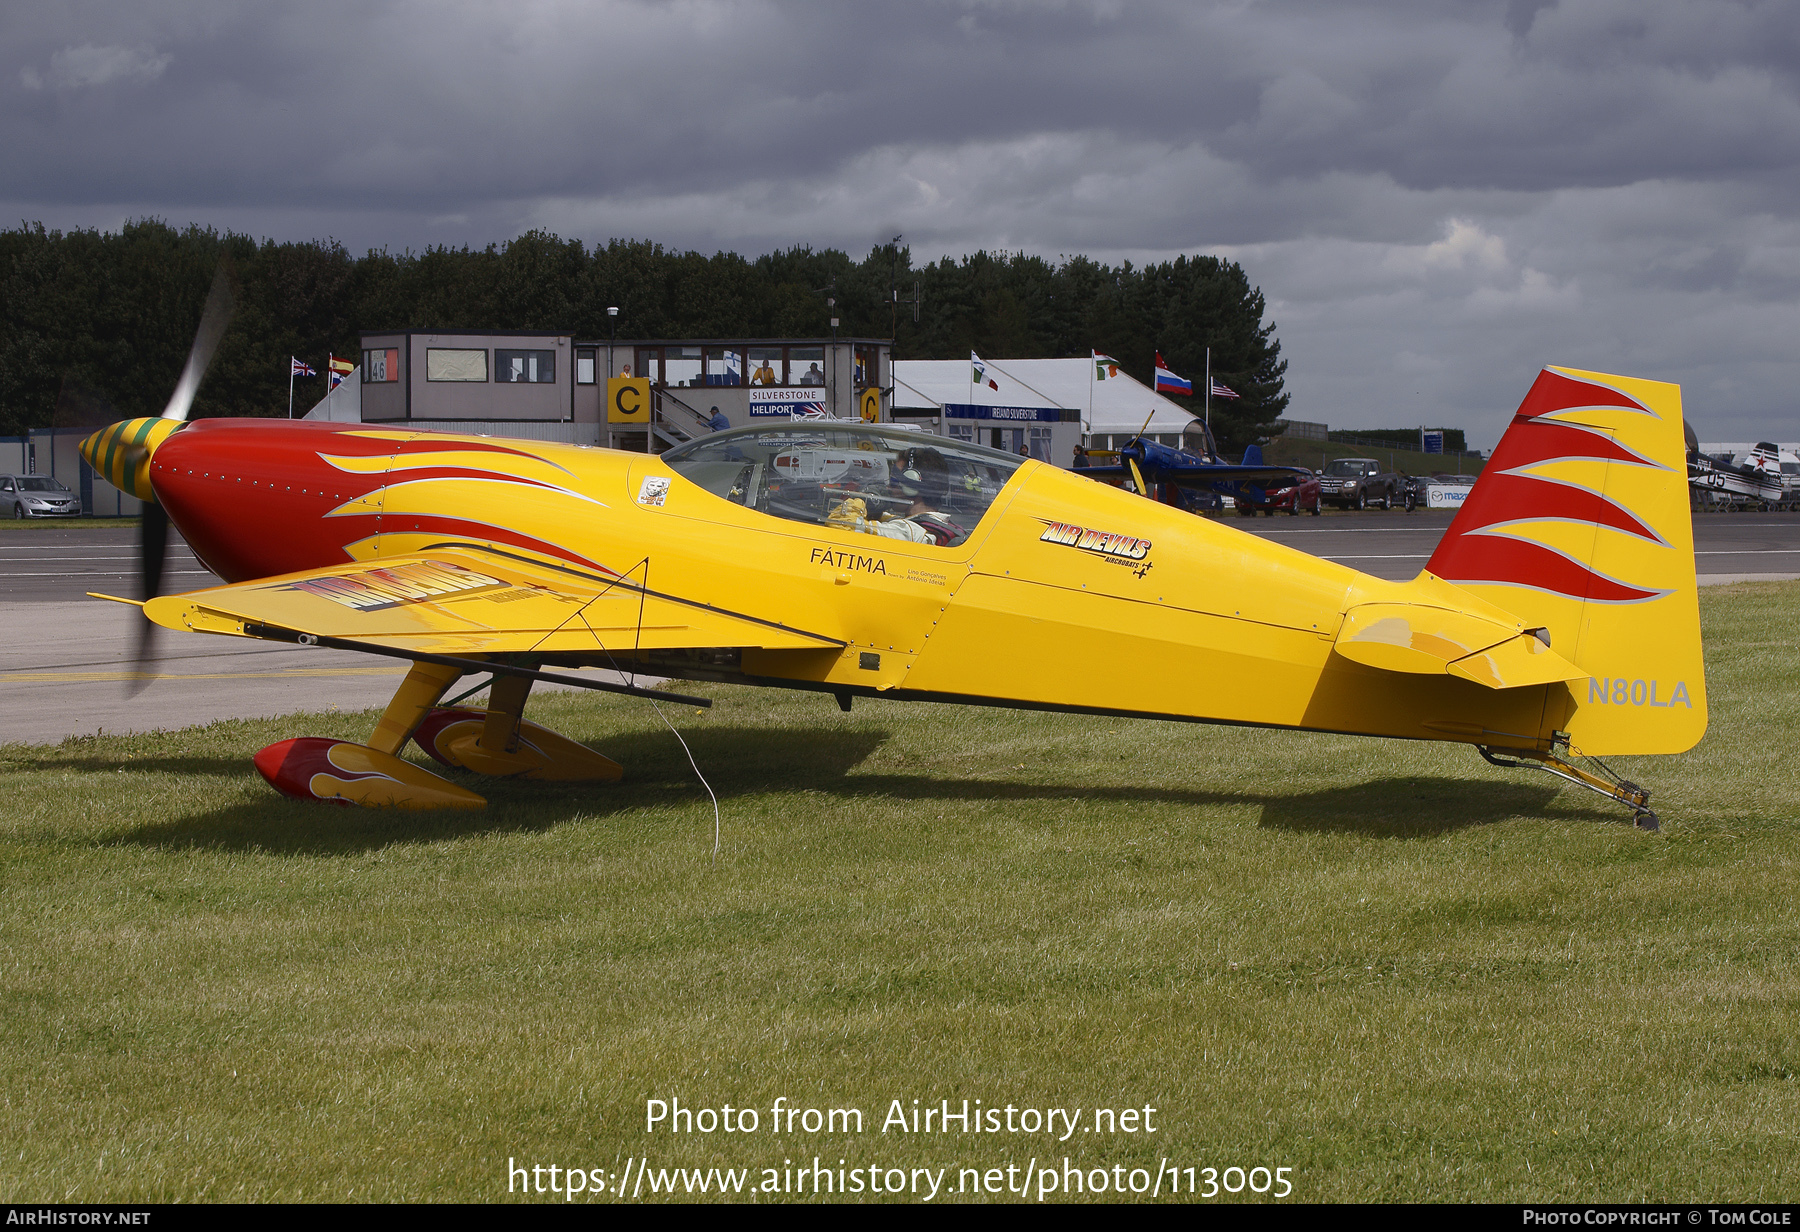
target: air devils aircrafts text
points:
(1104, 542)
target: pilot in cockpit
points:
(922, 522)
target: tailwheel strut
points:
(1607, 782)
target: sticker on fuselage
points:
(1117, 548)
(653, 491)
(375, 589)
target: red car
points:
(1293, 497)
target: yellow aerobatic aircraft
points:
(1557, 621)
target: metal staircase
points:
(669, 430)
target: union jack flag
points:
(300, 369)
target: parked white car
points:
(37, 496)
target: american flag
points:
(1219, 391)
(299, 368)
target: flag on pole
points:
(1168, 383)
(299, 368)
(339, 369)
(1219, 391)
(980, 376)
(1105, 366)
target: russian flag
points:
(1168, 383)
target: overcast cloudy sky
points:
(1437, 196)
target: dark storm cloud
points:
(1408, 179)
(439, 107)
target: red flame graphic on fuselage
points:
(256, 498)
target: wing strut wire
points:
(697, 774)
(637, 639)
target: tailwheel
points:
(316, 768)
(456, 738)
(1602, 779)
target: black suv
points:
(1357, 483)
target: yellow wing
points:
(461, 601)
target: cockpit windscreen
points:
(879, 480)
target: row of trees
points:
(112, 314)
(1405, 438)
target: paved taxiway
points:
(1728, 547)
(66, 660)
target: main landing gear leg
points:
(424, 685)
(498, 741)
(373, 775)
(1606, 783)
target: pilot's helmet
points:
(915, 486)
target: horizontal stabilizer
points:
(1416, 638)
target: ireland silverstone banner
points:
(976, 410)
(787, 403)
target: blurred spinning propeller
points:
(127, 447)
(213, 321)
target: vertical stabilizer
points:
(1580, 526)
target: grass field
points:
(83, 523)
(1392, 969)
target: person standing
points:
(718, 422)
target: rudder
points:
(1580, 525)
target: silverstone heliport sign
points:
(786, 403)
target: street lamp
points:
(612, 336)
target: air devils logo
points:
(1104, 542)
(1482, 545)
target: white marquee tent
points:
(1116, 406)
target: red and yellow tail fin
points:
(1580, 525)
